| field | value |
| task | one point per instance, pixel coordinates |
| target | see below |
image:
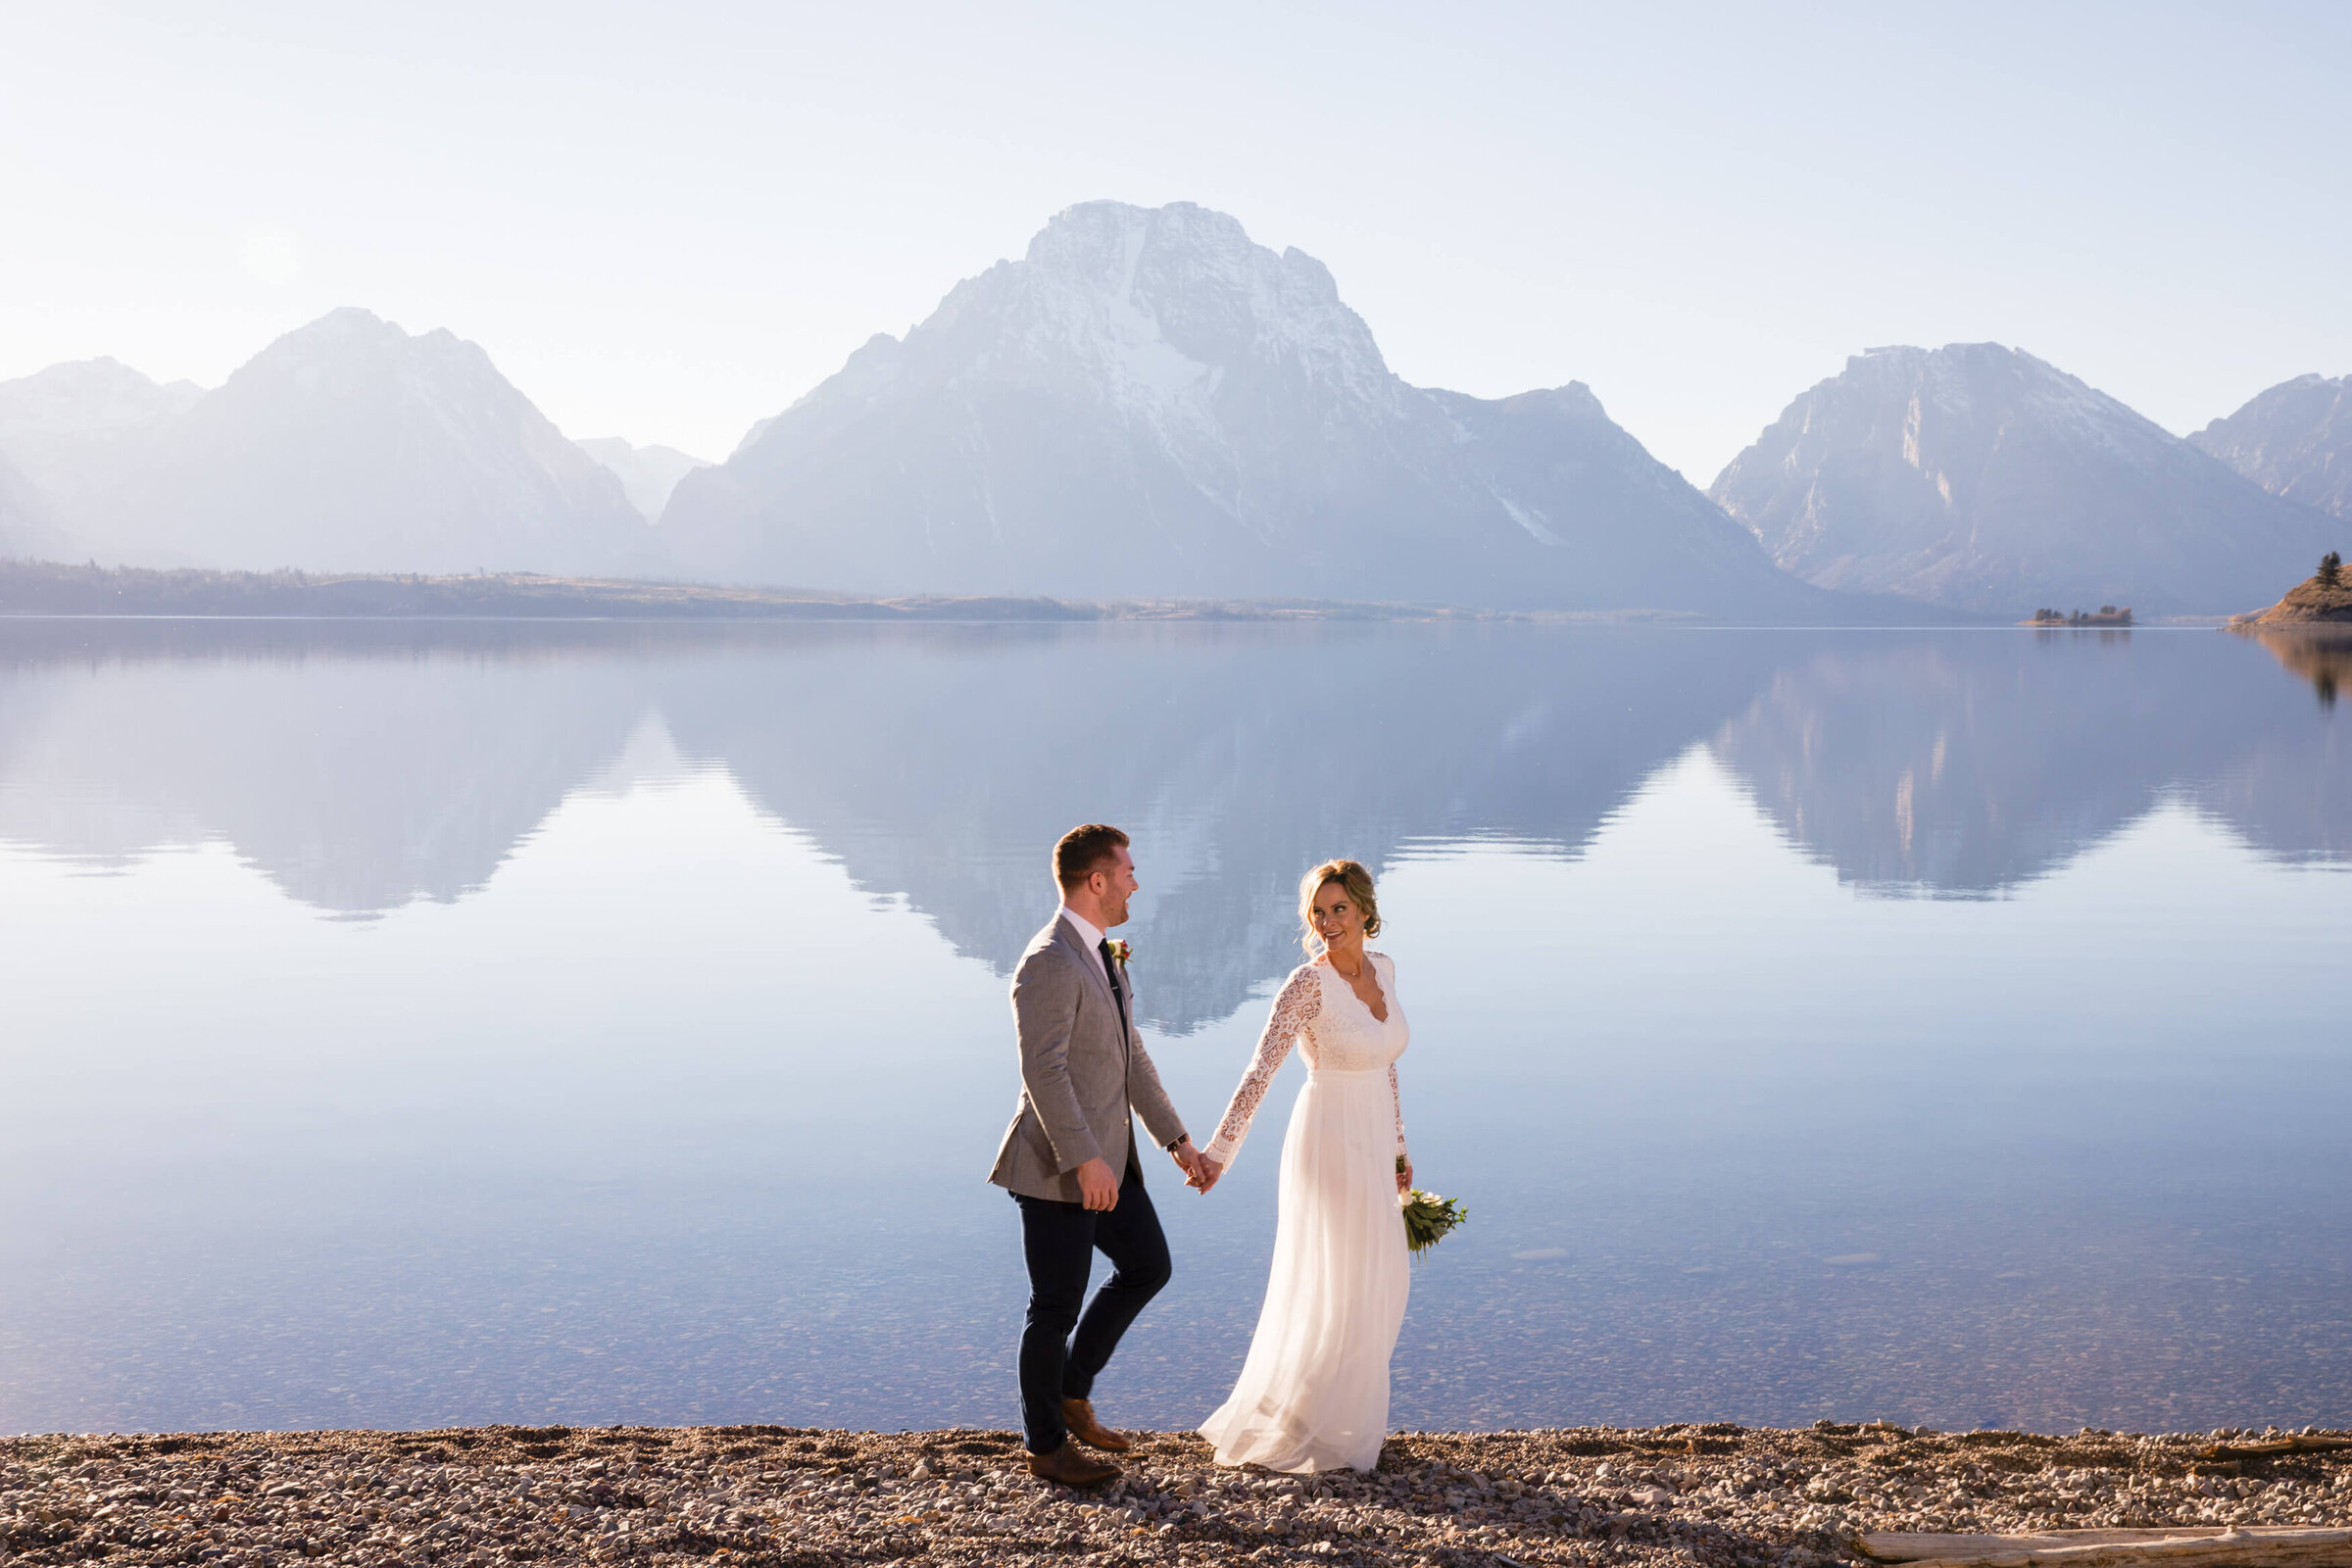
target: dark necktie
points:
(1112, 971)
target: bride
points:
(1314, 1391)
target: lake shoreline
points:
(1717, 1494)
(66, 590)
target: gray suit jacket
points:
(1084, 1071)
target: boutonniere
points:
(1120, 951)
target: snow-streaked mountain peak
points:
(1979, 476)
(87, 395)
(1150, 402)
(69, 429)
(2294, 440)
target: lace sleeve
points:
(1294, 1009)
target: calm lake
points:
(415, 1024)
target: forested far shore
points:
(53, 588)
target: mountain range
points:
(69, 429)
(65, 433)
(1980, 478)
(1149, 405)
(648, 474)
(2294, 440)
(345, 445)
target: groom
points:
(1069, 1157)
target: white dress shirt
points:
(1085, 927)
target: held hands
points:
(1199, 1171)
(1099, 1190)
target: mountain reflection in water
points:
(1967, 764)
(363, 767)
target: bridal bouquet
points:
(1428, 1218)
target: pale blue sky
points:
(667, 222)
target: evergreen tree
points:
(2331, 570)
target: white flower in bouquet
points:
(1428, 1217)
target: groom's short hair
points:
(1082, 852)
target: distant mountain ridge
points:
(73, 428)
(2294, 440)
(345, 445)
(1149, 405)
(349, 444)
(1978, 477)
(648, 473)
(25, 530)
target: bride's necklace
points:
(1375, 1003)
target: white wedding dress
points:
(1314, 1391)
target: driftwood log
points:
(2256, 1547)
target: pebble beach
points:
(802, 1497)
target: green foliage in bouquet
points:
(1428, 1218)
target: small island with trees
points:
(2104, 615)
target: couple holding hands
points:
(1313, 1394)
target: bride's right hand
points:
(1206, 1172)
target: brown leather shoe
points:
(1071, 1467)
(1079, 1416)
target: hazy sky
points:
(666, 222)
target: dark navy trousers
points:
(1059, 1241)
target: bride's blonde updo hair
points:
(1352, 879)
